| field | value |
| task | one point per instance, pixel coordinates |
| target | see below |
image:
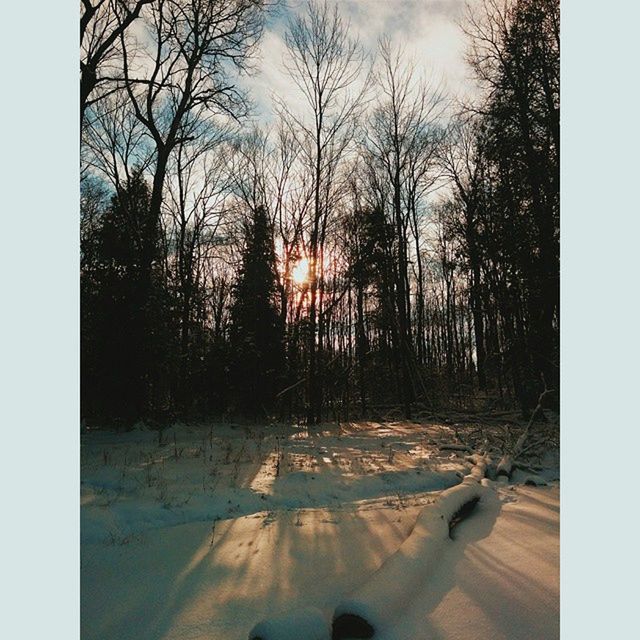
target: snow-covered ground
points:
(220, 527)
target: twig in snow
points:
(505, 466)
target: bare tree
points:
(114, 141)
(402, 140)
(182, 81)
(249, 168)
(464, 165)
(102, 25)
(289, 198)
(325, 63)
(196, 204)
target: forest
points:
(379, 246)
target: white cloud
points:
(427, 29)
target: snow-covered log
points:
(535, 481)
(367, 611)
(308, 623)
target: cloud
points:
(270, 77)
(427, 29)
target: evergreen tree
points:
(123, 318)
(521, 123)
(257, 333)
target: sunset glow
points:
(300, 272)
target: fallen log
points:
(385, 594)
(454, 447)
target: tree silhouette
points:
(257, 331)
(123, 310)
(431, 239)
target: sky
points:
(427, 29)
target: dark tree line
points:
(378, 250)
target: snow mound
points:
(373, 607)
(308, 623)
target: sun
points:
(300, 272)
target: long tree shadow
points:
(181, 584)
(184, 586)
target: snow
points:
(131, 485)
(165, 555)
(308, 623)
